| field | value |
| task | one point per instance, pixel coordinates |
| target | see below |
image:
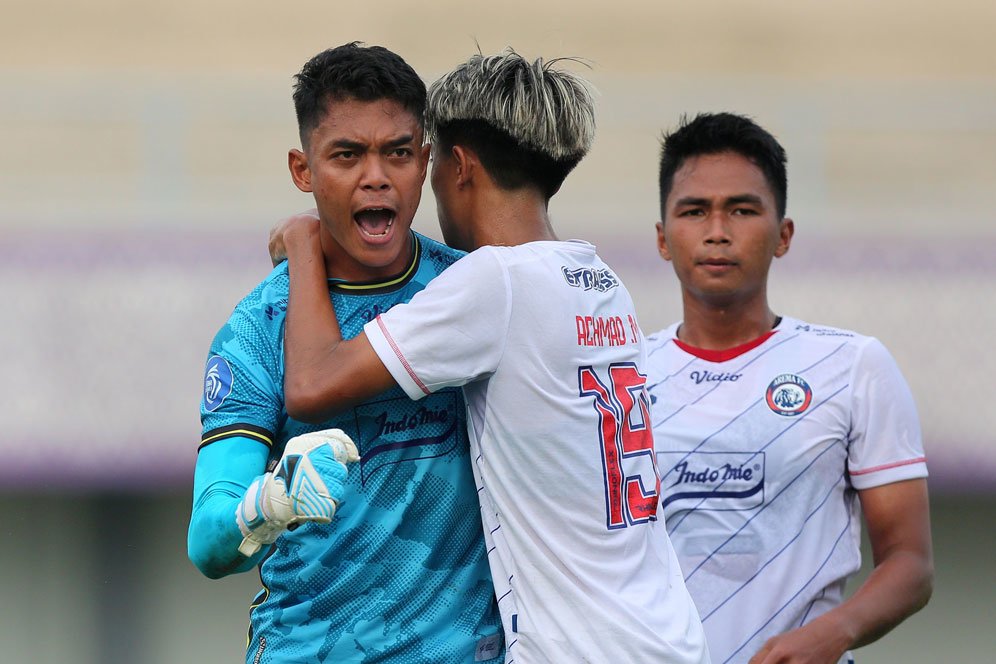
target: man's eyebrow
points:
(744, 198)
(691, 200)
(700, 201)
(355, 146)
(399, 141)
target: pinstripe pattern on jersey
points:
(762, 509)
(774, 615)
(764, 515)
(791, 424)
(716, 386)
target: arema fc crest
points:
(789, 395)
(217, 382)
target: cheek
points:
(331, 190)
(676, 242)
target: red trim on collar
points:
(722, 355)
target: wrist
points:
(838, 630)
(254, 517)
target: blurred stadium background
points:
(144, 160)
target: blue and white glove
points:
(306, 485)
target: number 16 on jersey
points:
(632, 480)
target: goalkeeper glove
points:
(305, 486)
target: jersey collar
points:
(381, 285)
(726, 354)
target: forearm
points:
(898, 520)
(311, 333)
(222, 475)
(213, 537)
(898, 587)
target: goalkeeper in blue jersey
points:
(366, 528)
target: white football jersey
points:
(544, 339)
(761, 449)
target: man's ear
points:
(465, 162)
(424, 153)
(662, 247)
(785, 232)
(300, 172)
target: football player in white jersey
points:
(774, 436)
(542, 336)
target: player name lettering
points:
(418, 418)
(709, 377)
(724, 473)
(600, 331)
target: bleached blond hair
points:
(543, 108)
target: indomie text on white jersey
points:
(760, 451)
(544, 339)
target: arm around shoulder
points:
(318, 384)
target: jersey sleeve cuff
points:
(390, 354)
(238, 430)
(897, 471)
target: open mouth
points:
(375, 222)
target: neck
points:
(720, 327)
(339, 264)
(508, 218)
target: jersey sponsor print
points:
(761, 451)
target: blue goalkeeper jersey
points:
(401, 574)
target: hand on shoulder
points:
(296, 228)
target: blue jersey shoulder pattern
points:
(401, 574)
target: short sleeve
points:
(885, 443)
(451, 333)
(242, 384)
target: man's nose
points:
(374, 174)
(717, 228)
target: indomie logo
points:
(724, 473)
(789, 395)
(587, 278)
(712, 480)
(395, 431)
(404, 423)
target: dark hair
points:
(354, 71)
(510, 164)
(712, 133)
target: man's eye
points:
(344, 154)
(402, 152)
(745, 211)
(694, 212)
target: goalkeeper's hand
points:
(306, 485)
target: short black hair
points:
(355, 71)
(510, 164)
(712, 133)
